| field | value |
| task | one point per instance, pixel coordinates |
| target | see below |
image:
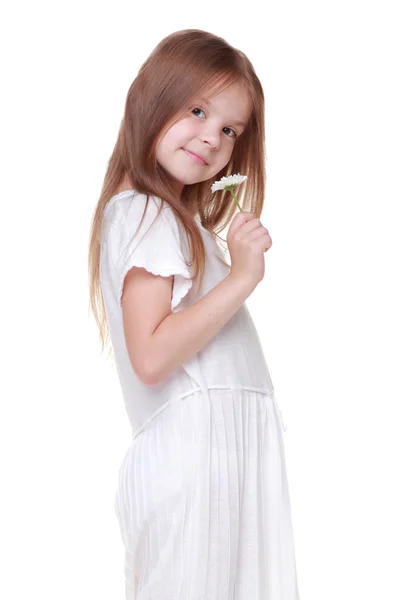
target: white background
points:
(327, 310)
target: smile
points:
(194, 157)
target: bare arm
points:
(183, 334)
(158, 341)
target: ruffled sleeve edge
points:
(181, 285)
(182, 277)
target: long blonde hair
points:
(181, 65)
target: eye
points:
(234, 132)
(197, 109)
(201, 110)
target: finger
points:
(239, 220)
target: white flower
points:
(228, 183)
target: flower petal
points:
(230, 180)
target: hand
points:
(248, 240)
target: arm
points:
(168, 339)
(183, 334)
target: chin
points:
(186, 181)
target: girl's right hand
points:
(247, 241)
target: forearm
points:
(181, 335)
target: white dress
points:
(202, 497)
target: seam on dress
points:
(233, 387)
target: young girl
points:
(202, 498)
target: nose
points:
(212, 137)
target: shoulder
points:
(131, 213)
(130, 205)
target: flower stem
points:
(236, 200)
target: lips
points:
(197, 155)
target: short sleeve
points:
(157, 246)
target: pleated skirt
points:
(202, 501)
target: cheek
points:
(225, 158)
(227, 152)
(177, 136)
(184, 129)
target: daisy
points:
(229, 183)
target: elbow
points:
(149, 377)
(153, 373)
(150, 372)
(145, 371)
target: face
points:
(208, 130)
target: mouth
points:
(195, 157)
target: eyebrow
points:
(210, 104)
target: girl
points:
(202, 498)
